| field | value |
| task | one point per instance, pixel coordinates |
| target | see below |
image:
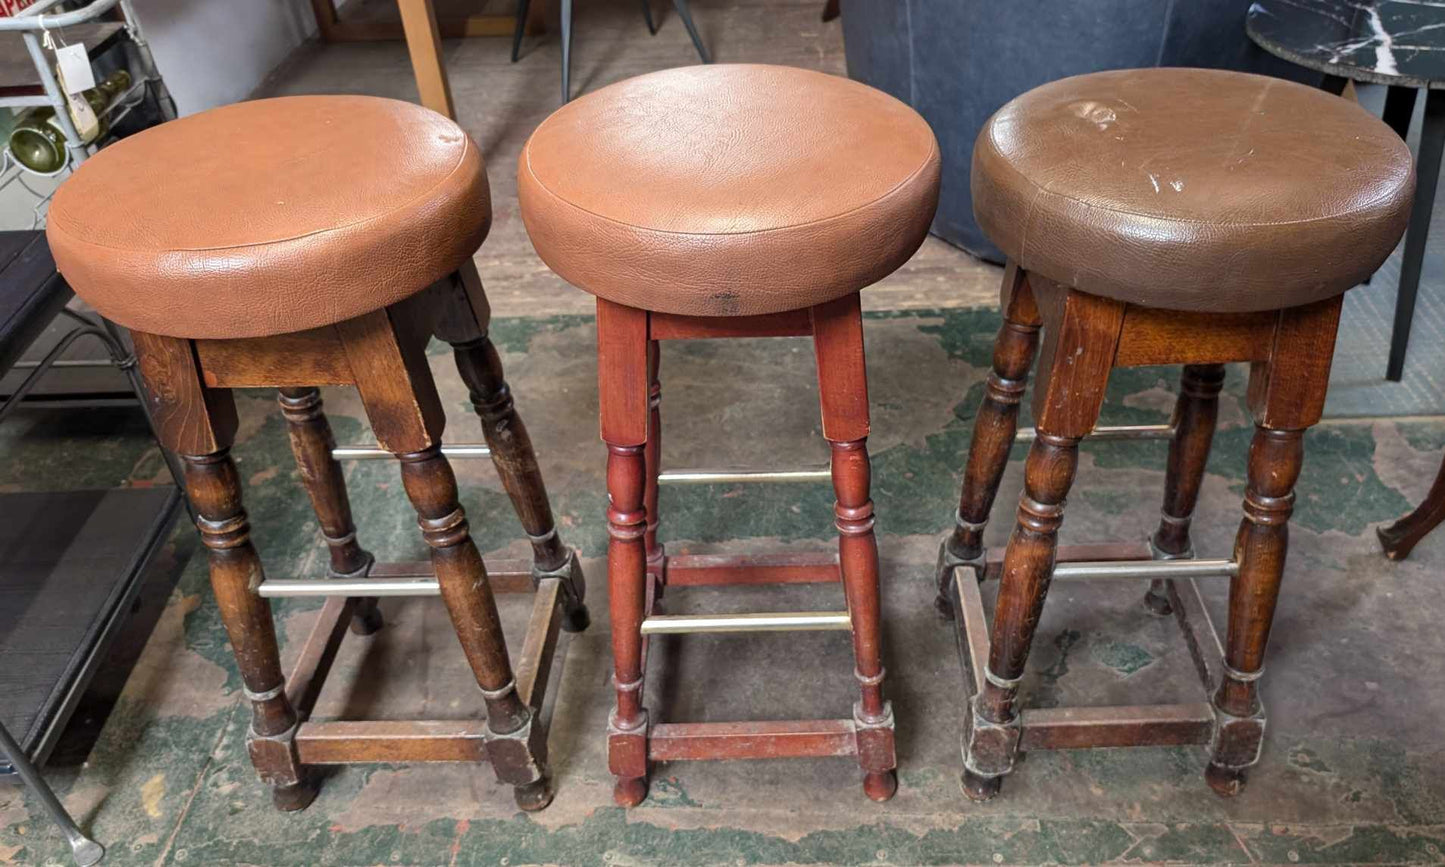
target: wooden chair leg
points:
(312, 443)
(1286, 397)
(656, 555)
(215, 492)
(1399, 539)
(1275, 457)
(622, 362)
(506, 435)
(1195, 415)
(1081, 336)
(199, 424)
(843, 392)
(993, 433)
(516, 740)
(400, 396)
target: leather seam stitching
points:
(930, 159)
(1323, 218)
(291, 238)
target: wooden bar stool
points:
(309, 241)
(1160, 216)
(731, 201)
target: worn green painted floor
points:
(1353, 770)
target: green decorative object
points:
(38, 142)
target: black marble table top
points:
(1400, 42)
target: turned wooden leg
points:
(656, 556)
(1195, 414)
(215, 492)
(1400, 538)
(516, 741)
(991, 738)
(312, 443)
(1081, 335)
(993, 433)
(1275, 457)
(843, 395)
(625, 396)
(626, 581)
(516, 463)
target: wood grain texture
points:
(190, 418)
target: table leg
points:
(424, 41)
(1399, 108)
(85, 850)
(566, 51)
(1427, 174)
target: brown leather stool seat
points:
(624, 196)
(271, 216)
(1192, 189)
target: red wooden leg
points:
(653, 458)
(993, 433)
(623, 384)
(843, 391)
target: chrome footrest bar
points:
(283, 588)
(713, 477)
(1148, 569)
(376, 453)
(1105, 432)
(677, 624)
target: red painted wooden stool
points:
(309, 241)
(731, 201)
(1160, 216)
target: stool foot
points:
(297, 796)
(368, 619)
(880, 786)
(1226, 782)
(535, 796)
(978, 787)
(1157, 599)
(576, 619)
(630, 792)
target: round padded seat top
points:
(1192, 189)
(270, 216)
(728, 190)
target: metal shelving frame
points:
(32, 24)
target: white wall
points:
(214, 52)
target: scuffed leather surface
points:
(270, 216)
(1192, 189)
(728, 190)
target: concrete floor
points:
(1353, 772)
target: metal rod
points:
(30, 21)
(85, 850)
(673, 624)
(66, 362)
(714, 477)
(285, 588)
(376, 453)
(1105, 432)
(1149, 569)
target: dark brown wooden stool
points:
(309, 241)
(731, 218)
(1162, 216)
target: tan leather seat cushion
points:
(1192, 189)
(728, 190)
(270, 216)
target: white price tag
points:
(74, 68)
